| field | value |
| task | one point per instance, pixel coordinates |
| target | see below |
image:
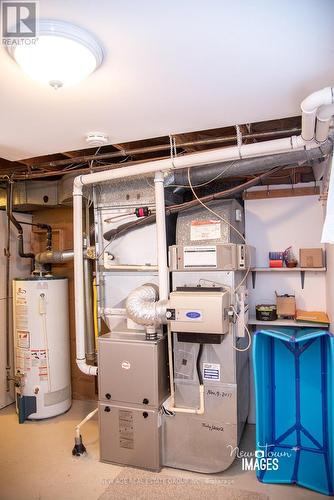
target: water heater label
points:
(23, 339)
(211, 371)
(205, 230)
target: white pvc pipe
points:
(295, 143)
(79, 285)
(160, 218)
(324, 117)
(309, 107)
(131, 267)
(88, 417)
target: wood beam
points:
(265, 194)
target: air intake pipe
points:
(143, 306)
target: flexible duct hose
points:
(142, 305)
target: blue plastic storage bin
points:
(294, 389)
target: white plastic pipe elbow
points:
(324, 117)
(309, 107)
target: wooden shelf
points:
(287, 269)
(287, 322)
(301, 270)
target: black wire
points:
(198, 364)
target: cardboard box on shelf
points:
(286, 306)
(311, 257)
(312, 316)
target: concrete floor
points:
(36, 462)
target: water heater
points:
(41, 346)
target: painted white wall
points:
(172, 67)
(330, 283)
(19, 267)
(275, 224)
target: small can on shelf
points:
(266, 312)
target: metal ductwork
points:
(54, 257)
(248, 166)
(143, 307)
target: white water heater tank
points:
(41, 346)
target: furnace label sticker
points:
(211, 371)
(23, 339)
(126, 430)
(205, 230)
(200, 257)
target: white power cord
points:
(229, 224)
(248, 334)
(249, 265)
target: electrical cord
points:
(249, 266)
(181, 207)
(248, 333)
(226, 222)
(198, 364)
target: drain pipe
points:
(161, 235)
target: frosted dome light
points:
(63, 54)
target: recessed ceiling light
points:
(63, 54)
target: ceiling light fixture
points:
(97, 139)
(64, 54)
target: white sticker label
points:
(200, 257)
(205, 230)
(211, 371)
(23, 362)
(21, 296)
(23, 339)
